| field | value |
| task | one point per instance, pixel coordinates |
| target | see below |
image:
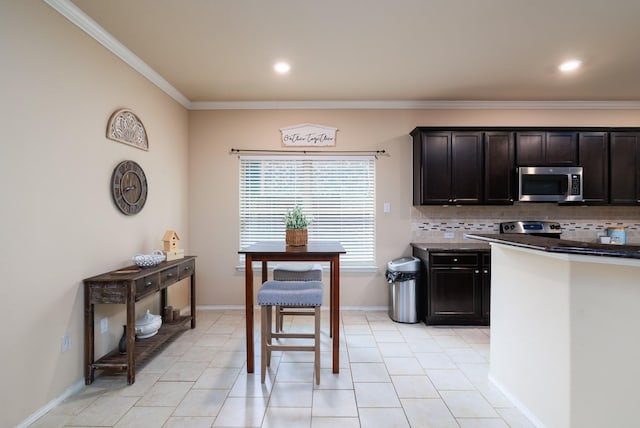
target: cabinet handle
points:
(485, 271)
(455, 260)
(148, 284)
(187, 268)
(169, 275)
(477, 271)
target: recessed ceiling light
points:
(282, 67)
(570, 65)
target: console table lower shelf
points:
(145, 348)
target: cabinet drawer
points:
(147, 285)
(454, 259)
(168, 276)
(186, 269)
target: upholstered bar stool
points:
(289, 293)
(295, 272)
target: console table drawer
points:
(108, 293)
(186, 269)
(148, 284)
(168, 277)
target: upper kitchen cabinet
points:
(593, 157)
(447, 167)
(498, 168)
(624, 158)
(539, 148)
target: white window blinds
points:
(337, 192)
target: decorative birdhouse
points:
(170, 241)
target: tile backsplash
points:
(579, 223)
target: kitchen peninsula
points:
(564, 321)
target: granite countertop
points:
(452, 246)
(554, 245)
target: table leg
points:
(193, 300)
(131, 336)
(88, 337)
(249, 310)
(335, 306)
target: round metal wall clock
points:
(129, 187)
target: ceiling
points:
(219, 51)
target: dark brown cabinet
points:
(538, 148)
(593, 157)
(624, 158)
(477, 165)
(458, 288)
(448, 167)
(498, 168)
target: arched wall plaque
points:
(125, 127)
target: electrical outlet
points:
(66, 343)
(387, 207)
(448, 235)
(104, 325)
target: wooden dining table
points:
(276, 251)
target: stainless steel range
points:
(550, 229)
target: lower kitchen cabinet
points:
(458, 287)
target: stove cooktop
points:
(541, 228)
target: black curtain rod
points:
(304, 152)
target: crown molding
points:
(417, 105)
(70, 11)
(92, 28)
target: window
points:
(337, 192)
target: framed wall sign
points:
(125, 127)
(308, 135)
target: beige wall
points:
(59, 88)
(213, 183)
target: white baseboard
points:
(517, 403)
(73, 389)
(325, 307)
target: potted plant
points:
(296, 223)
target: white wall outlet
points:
(66, 343)
(387, 207)
(104, 325)
(448, 235)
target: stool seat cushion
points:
(298, 272)
(290, 293)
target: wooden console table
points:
(127, 286)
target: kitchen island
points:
(564, 329)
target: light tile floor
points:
(391, 375)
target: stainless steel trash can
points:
(403, 300)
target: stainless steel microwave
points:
(550, 184)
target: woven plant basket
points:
(296, 237)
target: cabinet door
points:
(454, 289)
(466, 168)
(436, 168)
(454, 292)
(486, 286)
(546, 148)
(498, 167)
(593, 155)
(625, 168)
(530, 148)
(561, 148)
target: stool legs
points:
(267, 334)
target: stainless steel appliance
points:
(550, 184)
(550, 229)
